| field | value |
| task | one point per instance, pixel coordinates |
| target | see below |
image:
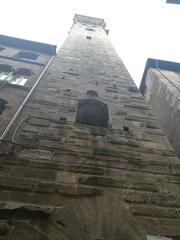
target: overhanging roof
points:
(27, 45)
(158, 64)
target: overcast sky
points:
(139, 29)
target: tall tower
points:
(85, 159)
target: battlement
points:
(86, 20)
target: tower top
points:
(92, 21)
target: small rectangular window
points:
(88, 37)
(27, 56)
(92, 112)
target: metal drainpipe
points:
(24, 101)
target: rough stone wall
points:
(163, 94)
(63, 180)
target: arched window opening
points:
(92, 112)
(27, 56)
(92, 93)
(3, 103)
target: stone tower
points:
(85, 159)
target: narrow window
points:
(27, 56)
(2, 105)
(92, 112)
(126, 129)
(92, 93)
(90, 29)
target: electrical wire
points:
(169, 80)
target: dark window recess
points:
(2, 105)
(59, 222)
(88, 37)
(2, 48)
(5, 68)
(24, 72)
(126, 129)
(133, 89)
(90, 29)
(27, 55)
(63, 119)
(70, 73)
(107, 31)
(92, 93)
(92, 112)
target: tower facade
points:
(85, 158)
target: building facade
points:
(85, 159)
(160, 87)
(21, 63)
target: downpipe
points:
(24, 102)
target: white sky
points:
(138, 28)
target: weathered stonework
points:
(64, 180)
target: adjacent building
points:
(173, 1)
(160, 87)
(85, 158)
(21, 63)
